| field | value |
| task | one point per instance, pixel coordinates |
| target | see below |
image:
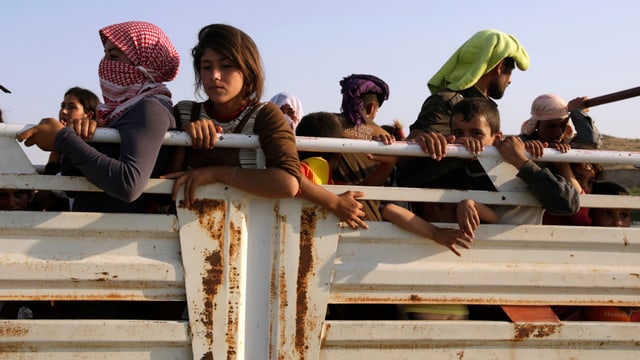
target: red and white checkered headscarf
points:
(154, 60)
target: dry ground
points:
(625, 175)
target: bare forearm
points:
(271, 183)
(487, 214)
(409, 221)
(379, 175)
(317, 194)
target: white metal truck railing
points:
(257, 274)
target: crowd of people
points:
(461, 109)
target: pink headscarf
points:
(154, 60)
(545, 107)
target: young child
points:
(77, 104)
(475, 123)
(609, 216)
(582, 176)
(549, 126)
(318, 167)
(614, 218)
(362, 96)
(228, 69)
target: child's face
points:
(12, 199)
(585, 175)
(552, 131)
(70, 108)
(477, 128)
(611, 217)
(222, 80)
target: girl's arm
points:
(272, 183)
(344, 206)
(564, 169)
(409, 221)
(378, 177)
(470, 214)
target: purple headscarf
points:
(357, 85)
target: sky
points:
(577, 48)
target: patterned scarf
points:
(357, 85)
(154, 60)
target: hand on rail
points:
(473, 145)
(203, 133)
(512, 148)
(385, 138)
(191, 180)
(434, 143)
(535, 147)
(43, 135)
(579, 103)
(85, 128)
(560, 146)
(349, 209)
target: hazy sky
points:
(576, 47)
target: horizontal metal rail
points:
(177, 138)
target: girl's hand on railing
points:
(203, 133)
(191, 180)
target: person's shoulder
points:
(150, 103)
(186, 106)
(268, 117)
(267, 107)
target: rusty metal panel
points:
(94, 339)
(89, 256)
(205, 258)
(304, 279)
(384, 340)
(214, 236)
(507, 264)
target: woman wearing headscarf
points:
(139, 57)
(290, 105)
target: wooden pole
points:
(619, 95)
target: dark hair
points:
(319, 124)
(508, 63)
(598, 170)
(86, 98)
(389, 128)
(608, 188)
(471, 107)
(239, 48)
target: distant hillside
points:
(620, 144)
(625, 175)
